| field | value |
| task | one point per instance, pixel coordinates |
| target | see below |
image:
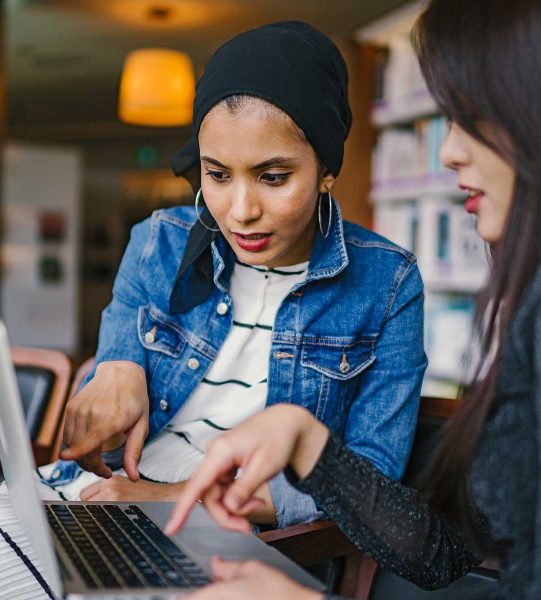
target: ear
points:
(326, 182)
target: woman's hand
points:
(261, 446)
(122, 489)
(113, 406)
(249, 580)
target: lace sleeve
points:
(386, 520)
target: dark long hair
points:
(482, 62)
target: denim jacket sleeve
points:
(118, 331)
(291, 505)
(382, 419)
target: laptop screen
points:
(19, 468)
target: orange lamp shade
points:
(157, 88)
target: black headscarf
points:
(293, 66)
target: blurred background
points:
(84, 157)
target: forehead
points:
(255, 132)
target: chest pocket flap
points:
(159, 333)
(339, 358)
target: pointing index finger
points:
(209, 473)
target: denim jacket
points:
(347, 343)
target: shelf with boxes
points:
(418, 204)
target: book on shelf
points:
(403, 77)
(408, 157)
(398, 222)
(400, 92)
(448, 335)
(381, 60)
(449, 250)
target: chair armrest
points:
(309, 543)
(60, 365)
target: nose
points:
(453, 152)
(244, 207)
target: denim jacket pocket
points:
(158, 332)
(334, 364)
(337, 357)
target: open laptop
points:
(98, 550)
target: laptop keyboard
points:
(112, 550)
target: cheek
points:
(491, 220)
(297, 209)
(499, 181)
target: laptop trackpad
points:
(202, 539)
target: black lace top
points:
(394, 525)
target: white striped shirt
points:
(235, 386)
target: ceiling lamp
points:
(157, 88)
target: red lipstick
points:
(473, 200)
(254, 242)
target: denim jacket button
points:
(222, 308)
(150, 336)
(344, 367)
(193, 364)
(164, 405)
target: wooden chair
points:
(44, 377)
(320, 542)
(311, 543)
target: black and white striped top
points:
(235, 387)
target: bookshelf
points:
(416, 201)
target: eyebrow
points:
(271, 162)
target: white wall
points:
(40, 180)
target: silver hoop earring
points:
(326, 233)
(197, 198)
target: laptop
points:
(99, 550)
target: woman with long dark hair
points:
(482, 62)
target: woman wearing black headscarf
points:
(263, 295)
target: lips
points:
(473, 200)
(253, 242)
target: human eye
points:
(218, 176)
(275, 178)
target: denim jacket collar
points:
(328, 258)
(329, 255)
(220, 264)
